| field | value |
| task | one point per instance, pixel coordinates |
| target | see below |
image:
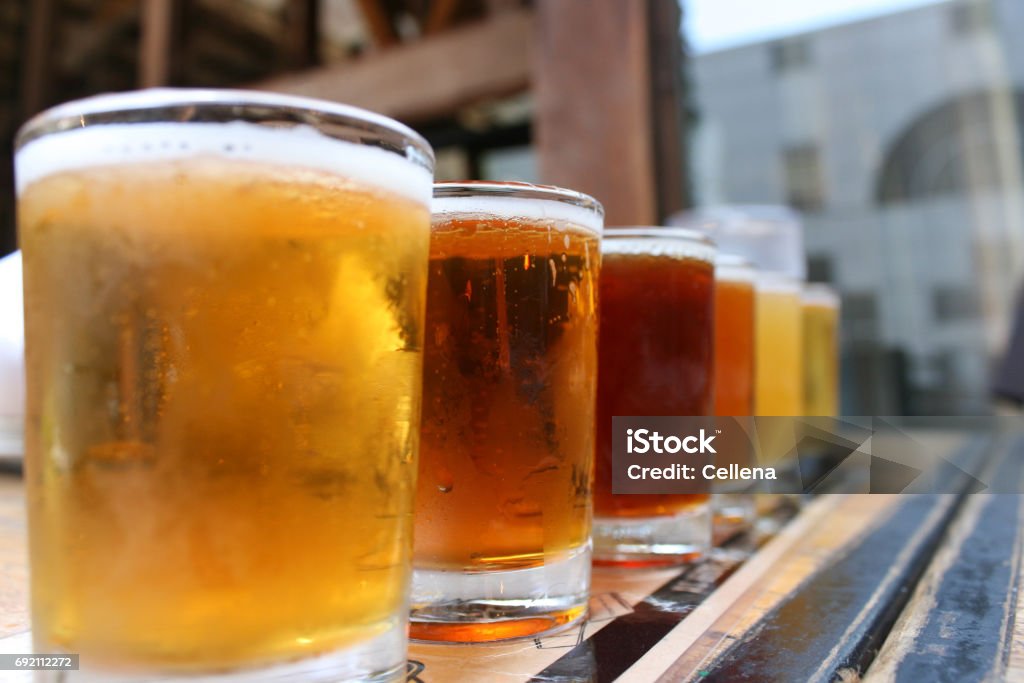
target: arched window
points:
(970, 143)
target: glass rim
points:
(659, 232)
(514, 189)
(776, 281)
(820, 294)
(735, 269)
(727, 260)
(261, 106)
(724, 213)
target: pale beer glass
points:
(821, 350)
(224, 299)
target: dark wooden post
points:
(302, 33)
(597, 127)
(36, 74)
(669, 107)
(158, 29)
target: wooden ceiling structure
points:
(604, 76)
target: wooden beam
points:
(498, 6)
(430, 77)
(592, 83)
(157, 23)
(83, 51)
(302, 33)
(440, 16)
(38, 56)
(378, 22)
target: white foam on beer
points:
(732, 268)
(817, 294)
(777, 283)
(551, 211)
(298, 146)
(656, 241)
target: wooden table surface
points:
(903, 588)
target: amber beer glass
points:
(734, 335)
(224, 296)
(821, 350)
(503, 511)
(656, 358)
(735, 309)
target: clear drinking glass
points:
(656, 358)
(503, 510)
(224, 297)
(735, 309)
(821, 350)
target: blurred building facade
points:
(899, 137)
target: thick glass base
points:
(380, 660)
(481, 607)
(653, 541)
(733, 509)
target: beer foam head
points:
(819, 294)
(733, 268)
(659, 241)
(147, 126)
(778, 283)
(510, 201)
(770, 237)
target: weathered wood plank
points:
(455, 68)
(959, 623)
(824, 529)
(627, 639)
(629, 612)
(832, 623)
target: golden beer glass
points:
(779, 365)
(821, 350)
(224, 296)
(503, 509)
(779, 372)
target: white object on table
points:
(12, 357)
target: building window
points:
(819, 269)
(970, 16)
(958, 148)
(804, 187)
(510, 163)
(793, 53)
(954, 303)
(860, 315)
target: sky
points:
(717, 24)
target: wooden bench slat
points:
(834, 622)
(959, 622)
